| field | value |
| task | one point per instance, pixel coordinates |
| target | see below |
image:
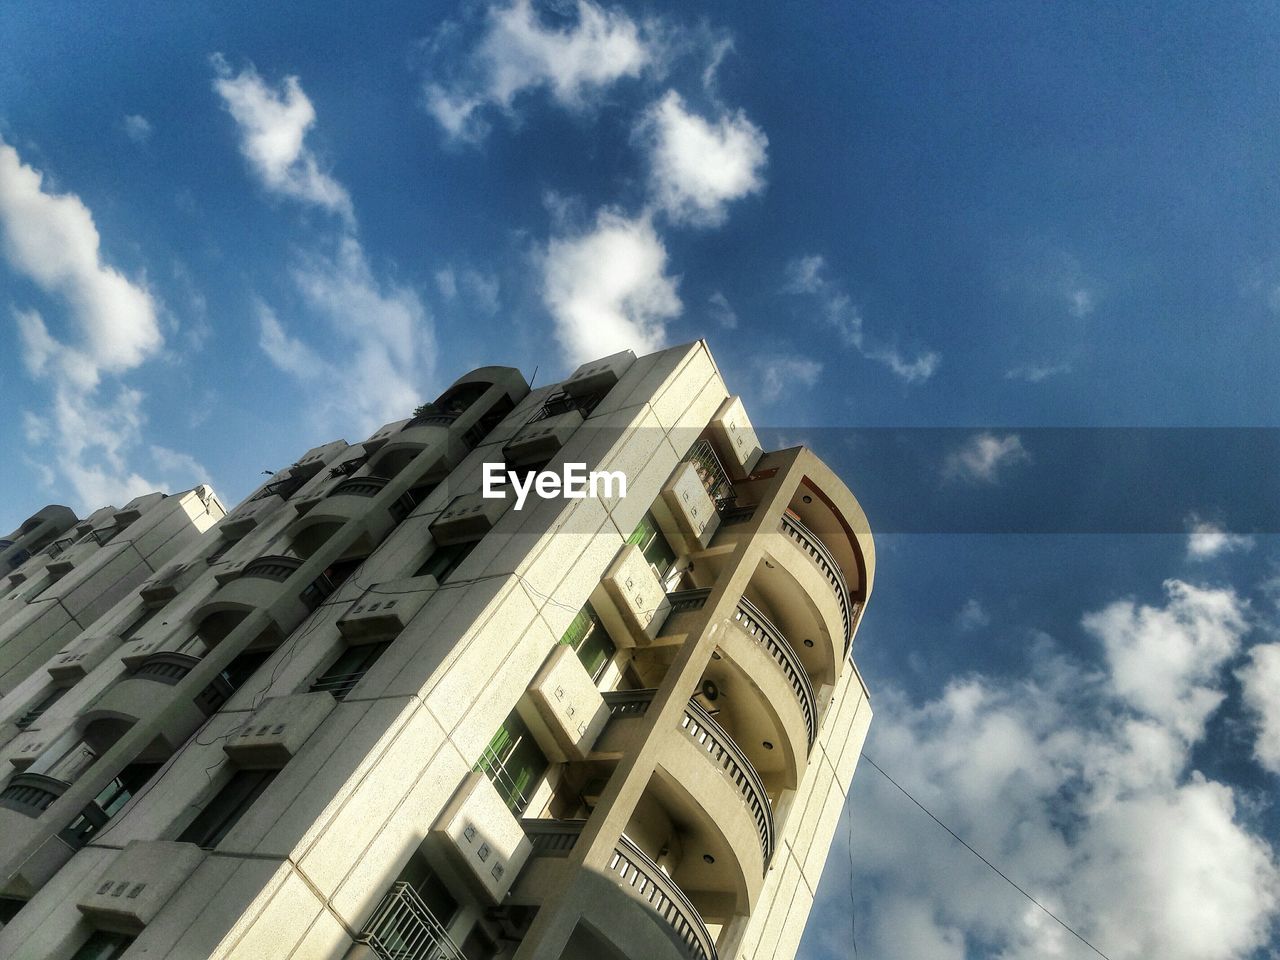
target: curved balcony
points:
(821, 556)
(728, 756)
(345, 502)
(256, 588)
(758, 627)
(32, 793)
(632, 870)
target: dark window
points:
(433, 891)
(339, 571)
(588, 637)
(109, 801)
(514, 762)
(282, 488)
(9, 907)
(103, 945)
(653, 545)
(242, 667)
(225, 810)
(445, 560)
(348, 670)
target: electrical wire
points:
(998, 872)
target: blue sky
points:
(995, 219)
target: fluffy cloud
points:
(777, 374)
(1077, 791)
(137, 128)
(722, 311)
(805, 276)
(109, 328)
(519, 52)
(1208, 540)
(607, 288)
(697, 167)
(273, 124)
(384, 343)
(1260, 679)
(983, 457)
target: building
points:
(375, 713)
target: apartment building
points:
(375, 713)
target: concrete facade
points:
(372, 714)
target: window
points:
(37, 709)
(653, 545)
(514, 763)
(444, 560)
(242, 667)
(108, 803)
(348, 670)
(9, 907)
(103, 945)
(225, 810)
(588, 637)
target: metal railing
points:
(711, 471)
(552, 838)
(684, 600)
(720, 747)
(759, 627)
(646, 881)
(339, 685)
(731, 515)
(403, 928)
(271, 568)
(564, 403)
(32, 793)
(628, 703)
(818, 552)
(359, 487)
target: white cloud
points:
(51, 239)
(1260, 679)
(519, 52)
(1036, 372)
(1079, 794)
(984, 456)
(722, 311)
(778, 374)
(1082, 302)
(805, 276)
(608, 289)
(698, 167)
(137, 128)
(273, 125)
(1164, 661)
(110, 326)
(972, 616)
(479, 290)
(180, 470)
(1208, 540)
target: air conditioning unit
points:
(685, 511)
(562, 707)
(139, 881)
(79, 657)
(598, 376)
(481, 845)
(630, 600)
(468, 517)
(277, 730)
(735, 438)
(385, 608)
(539, 441)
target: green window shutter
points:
(513, 762)
(588, 637)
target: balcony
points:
(817, 551)
(631, 869)
(347, 501)
(256, 587)
(757, 626)
(403, 928)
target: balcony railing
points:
(711, 471)
(276, 568)
(339, 686)
(731, 515)
(359, 487)
(628, 703)
(685, 600)
(758, 626)
(720, 747)
(564, 403)
(647, 881)
(818, 552)
(169, 667)
(32, 793)
(552, 838)
(403, 928)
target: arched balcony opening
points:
(793, 597)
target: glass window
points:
(653, 545)
(103, 945)
(349, 669)
(225, 810)
(242, 667)
(588, 637)
(444, 560)
(514, 763)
